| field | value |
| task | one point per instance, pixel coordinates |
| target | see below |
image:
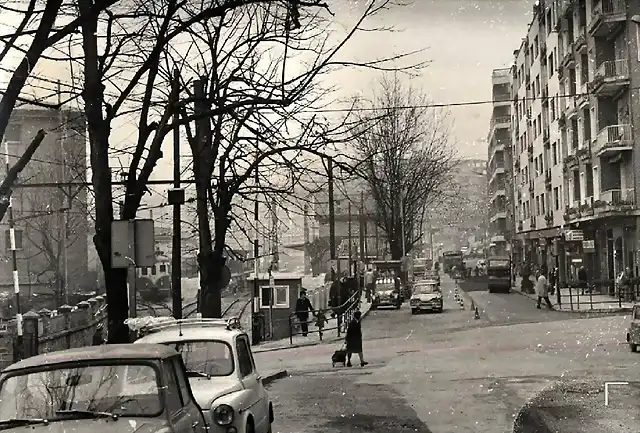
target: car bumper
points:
(387, 302)
(431, 306)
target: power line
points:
(452, 104)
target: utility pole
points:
(332, 222)
(350, 242)
(256, 247)
(64, 216)
(404, 245)
(307, 259)
(14, 259)
(275, 258)
(363, 230)
(176, 198)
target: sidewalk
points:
(330, 334)
(572, 300)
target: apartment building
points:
(51, 220)
(574, 115)
(499, 163)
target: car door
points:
(179, 416)
(251, 380)
(196, 416)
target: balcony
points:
(570, 161)
(615, 200)
(530, 149)
(548, 218)
(581, 41)
(545, 136)
(584, 153)
(500, 99)
(611, 77)
(561, 120)
(569, 60)
(501, 122)
(608, 18)
(612, 140)
(497, 216)
(583, 97)
(501, 192)
(547, 179)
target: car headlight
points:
(223, 415)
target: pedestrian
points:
(353, 339)
(303, 307)
(582, 279)
(368, 281)
(542, 290)
(321, 319)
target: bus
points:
(451, 259)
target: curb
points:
(270, 378)
(312, 343)
(615, 310)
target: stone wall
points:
(47, 331)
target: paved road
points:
(446, 372)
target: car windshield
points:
(211, 357)
(119, 389)
(428, 289)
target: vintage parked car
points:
(633, 332)
(220, 367)
(426, 296)
(386, 295)
(124, 388)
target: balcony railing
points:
(613, 138)
(616, 198)
(501, 121)
(606, 17)
(616, 69)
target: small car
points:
(386, 295)
(118, 387)
(220, 367)
(633, 332)
(426, 296)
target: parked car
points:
(386, 294)
(633, 332)
(130, 388)
(220, 367)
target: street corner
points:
(596, 405)
(274, 375)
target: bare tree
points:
(253, 113)
(53, 220)
(405, 157)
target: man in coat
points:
(542, 290)
(303, 307)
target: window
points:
(551, 63)
(212, 357)
(245, 362)
(554, 152)
(543, 206)
(280, 296)
(183, 387)
(163, 268)
(144, 271)
(552, 108)
(556, 198)
(18, 239)
(153, 270)
(13, 133)
(589, 175)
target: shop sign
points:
(589, 246)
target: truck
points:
(451, 259)
(499, 274)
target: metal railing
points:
(597, 295)
(618, 197)
(613, 134)
(613, 69)
(343, 313)
(609, 7)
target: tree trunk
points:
(212, 299)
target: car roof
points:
(92, 353)
(190, 332)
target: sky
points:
(463, 41)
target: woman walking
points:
(353, 339)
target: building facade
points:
(51, 220)
(574, 114)
(499, 164)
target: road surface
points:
(445, 373)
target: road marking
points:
(606, 390)
(408, 336)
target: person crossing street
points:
(303, 307)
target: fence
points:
(46, 331)
(598, 295)
(343, 315)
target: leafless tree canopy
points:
(405, 156)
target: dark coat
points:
(353, 339)
(303, 306)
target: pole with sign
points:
(272, 288)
